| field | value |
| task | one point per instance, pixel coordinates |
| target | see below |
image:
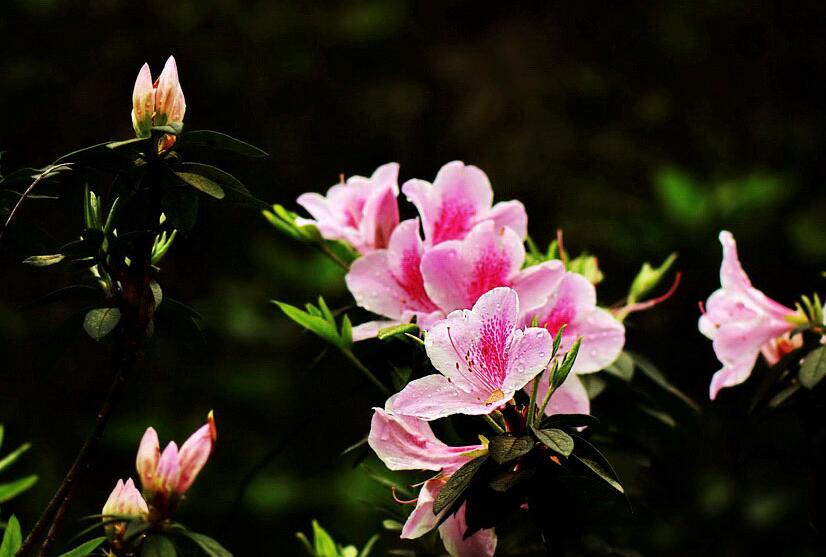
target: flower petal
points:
(529, 353)
(194, 454)
(511, 214)
(569, 398)
(452, 531)
(149, 453)
(536, 283)
(434, 396)
(169, 100)
(422, 520)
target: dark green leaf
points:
(158, 546)
(508, 479)
(507, 447)
(180, 205)
(561, 373)
(569, 420)
(12, 457)
(202, 183)
(218, 140)
(235, 190)
(556, 440)
(12, 538)
(597, 469)
(457, 484)
(85, 549)
(650, 370)
(783, 395)
(813, 368)
(44, 260)
(210, 547)
(100, 322)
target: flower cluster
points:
(159, 103)
(489, 321)
(165, 478)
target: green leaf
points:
(86, 549)
(368, 547)
(813, 368)
(569, 420)
(158, 546)
(396, 330)
(135, 141)
(10, 490)
(556, 440)
(783, 395)
(11, 458)
(623, 367)
(597, 469)
(587, 266)
(180, 205)
(218, 140)
(346, 330)
(315, 324)
(457, 484)
(561, 373)
(202, 183)
(508, 479)
(157, 293)
(236, 191)
(100, 322)
(44, 260)
(12, 538)
(507, 447)
(210, 547)
(325, 546)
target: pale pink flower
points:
(740, 320)
(171, 473)
(407, 443)
(160, 103)
(363, 211)
(125, 500)
(483, 359)
(572, 301)
(459, 198)
(408, 280)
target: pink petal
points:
(194, 454)
(434, 396)
(374, 287)
(511, 214)
(536, 283)
(169, 470)
(168, 94)
(731, 375)
(422, 520)
(457, 273)
(530, 351)
(149, 453)
(569, 398)
(450, 205)
(452, 531)
(143, 102)
(369, 330)
(408, 443)
(381, 216)
(404, 258)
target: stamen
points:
(402, 501)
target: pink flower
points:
(170, 474)
(125, 500)
(572, 301)
(569, 398)
(740, 320)
(160, 103)
(362, 211)
(460, 198)
(407, 443)
(408, 280)
(483, 359)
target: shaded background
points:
(639, 129)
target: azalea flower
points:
(407, 443)
(125, 500)
(572, 301)
(408, 280)
(483, 358)
(741, 321)
(167, 475)
(459, 198)
(158, 103)
(362, 211)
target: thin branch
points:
(50, 170)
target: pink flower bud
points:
(149, 453)
(160, 103)
(195, 453)
(125, 500)
(169, 470)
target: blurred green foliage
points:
(640, 129)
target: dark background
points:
(638, 128)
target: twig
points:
(40, 177)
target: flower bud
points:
(125, 500)
(195, 453)
(149, 453)
(169, 471)
(160, 103)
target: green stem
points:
(363, 368)
(325, 249)
(496, 427)
(532, 403)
